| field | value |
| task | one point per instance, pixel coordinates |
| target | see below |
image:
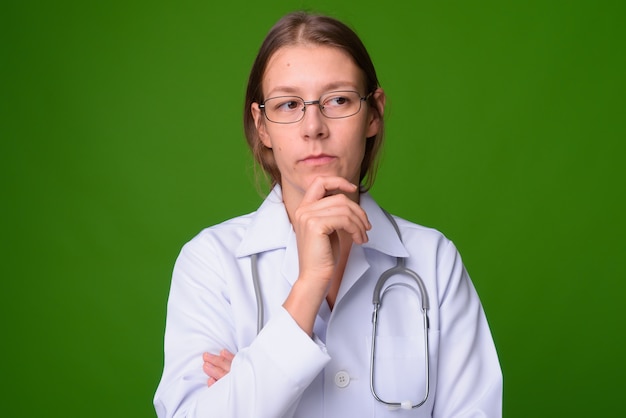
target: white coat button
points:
(342, 379)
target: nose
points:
(314, 122)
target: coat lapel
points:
(270, 230)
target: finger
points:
(210, 358)
(219, 360)
(223, 362)
(334, 204)
(356, 212)
(352, 225)
(227, 355)
(335, 213)
(214, 371)
(329, 225)
(324, 186)
(217, 366)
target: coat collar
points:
(270, 228)
(382, 236)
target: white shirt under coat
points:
(283, 372)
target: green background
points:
(121, 137)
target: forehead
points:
(311, 69)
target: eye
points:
(336, 101)
(287, 105)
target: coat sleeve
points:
(266, 379)
(469, 380)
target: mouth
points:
(317, 159)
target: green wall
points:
(120, 138)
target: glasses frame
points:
(317, 102)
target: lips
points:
(319, 159)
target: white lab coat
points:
(282, 372)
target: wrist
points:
(303, 303)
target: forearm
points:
(266, 379)
(303, 303)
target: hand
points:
(217, 366)
(326, 214)
(326, 222)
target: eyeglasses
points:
(333, 105)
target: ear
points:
(375, 116)
(259, 122)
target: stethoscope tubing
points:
(257, 293)
(377, 299)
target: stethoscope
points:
(377, 300)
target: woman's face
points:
(316, 145)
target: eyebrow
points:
(291, 90)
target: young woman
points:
(278, 303)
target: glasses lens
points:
(340, 104)
(334, 105)
(284, 109)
